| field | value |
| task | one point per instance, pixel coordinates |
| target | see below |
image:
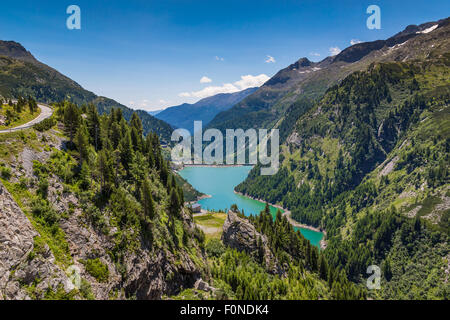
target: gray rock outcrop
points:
(240, 234)
(20, 265)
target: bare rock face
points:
(240, 234)
(151, 275)
(204, 286)
(295, 139)
(20, 268)
(148, 274)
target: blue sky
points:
(152, 54)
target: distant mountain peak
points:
(15, 50)
(360, 50)
(301, 63)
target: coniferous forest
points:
(92, 207)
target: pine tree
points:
(32, 105)
(117, 115)
(180, 194)
(267, 209)
(137, 123)
(93, 123)
(164, 174)
(136, 139)
(147, 200)
(174, 206)
(9, 116)
(82, 142)
(323, 267)
(330, 278)
(85, 176)
(126, 150)
(72, 119)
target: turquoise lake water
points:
(219, 183)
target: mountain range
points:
(367, 160)
(21, 74)
(184, 115)
(364, 158)
(305, 79)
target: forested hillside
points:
(369, 163)
(88, 196)
(100, 199)
(260, 258)
(90, 208)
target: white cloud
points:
(355, 41)
(213, 90)
(335, 51)
(314, 54)
(219, 58)
(247, 81)
(142, 104)
(270, 59)
(250, 81)
(148, 105)
(205, 79)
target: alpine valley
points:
(92, 208)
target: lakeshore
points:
(217, 165)
(179, 167)
(219, 182)
(287, 213)
(205, 196)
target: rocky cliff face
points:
(240, 234)
(29, 270)
(22, 263)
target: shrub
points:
(97, 269)
(43, 188)
(23, 183)
(215, 248)
(45, 125)
(6, 173)
(43, 210)
(199, 235)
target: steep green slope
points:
(369, 158)
(22, 75)
(260, 258)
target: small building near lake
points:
(196, 208)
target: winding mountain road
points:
(46, 112)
